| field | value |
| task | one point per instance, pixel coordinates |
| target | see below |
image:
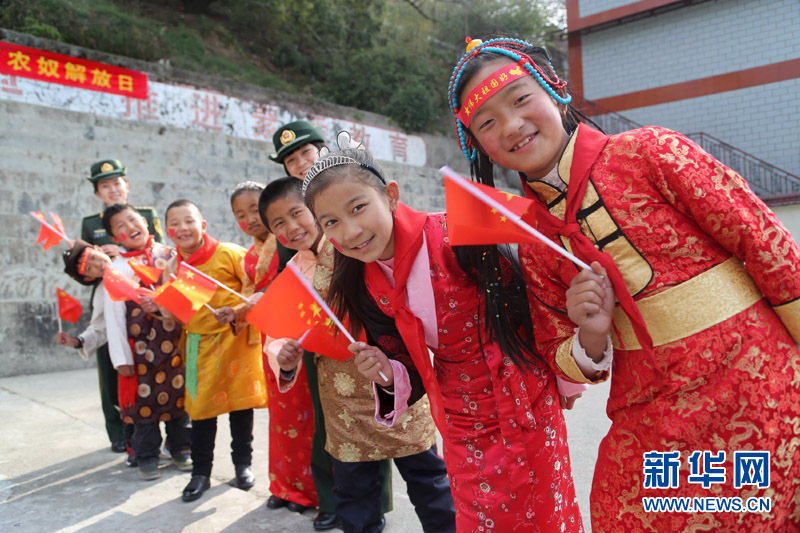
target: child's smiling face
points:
(245, 209)
(520, 126)
(292, 223)
(359, 217)
(129, 229)
(185, 227)
(96, 263)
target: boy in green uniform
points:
(111, 186)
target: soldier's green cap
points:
(106, 169)
(292, 136)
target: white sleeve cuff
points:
(585, 363)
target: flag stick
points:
(48, 226)
(209, 278)
(210, 308)
(59, 325)
(464, 183)
(296, 271)
(57, 219)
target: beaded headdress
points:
(327, 160)
(506, 47)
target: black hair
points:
(274, 191)
(318, 144)
(246, 186)
(494, 271)
(124, 178)
(183, 202)
(112, 210)
(482, 168)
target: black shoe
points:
(196, 487)
(276, 503)
(381, 525)
(118, 446)
(296, 507)
(326, 521)
(131, 460)
(245, 479)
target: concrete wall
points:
(686, 44)
(767, 126)
(699, 41)
(590, 7)
(45, 154)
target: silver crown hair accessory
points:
(326, 161)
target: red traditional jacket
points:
(715, 276)
(505, 438)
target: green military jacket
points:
(92, 230)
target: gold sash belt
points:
(697, 304)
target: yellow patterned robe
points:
(228, 367)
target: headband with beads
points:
(504, 47)
(326, 161)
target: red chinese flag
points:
(195, 287)
(286, 309)
(69, 308)
(119, 287)
(57, 224)
(176, 302)
(149, 275)
(472, 221)
(325, 339)
(47, 233)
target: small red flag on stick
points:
(120, 287)
(149, 275)
(47, 233)
(69, 308)
(482, 198)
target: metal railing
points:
(765, 179)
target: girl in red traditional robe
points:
(705, 393)
(291, 419)
(495, 404)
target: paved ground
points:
(58, 474)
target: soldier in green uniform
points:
(111, 186)
(297, 146)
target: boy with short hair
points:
(224, 370)
(108, 177)
(144, 348)
(297, 145)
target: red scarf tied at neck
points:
(142, 251)
(588, 145)
(202, 254)
(408, 233)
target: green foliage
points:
(386, 56)
(34, 27)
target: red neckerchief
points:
(588, 146)
(146, 251)
(202, 254)
(408, 226)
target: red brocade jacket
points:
(505, 441)
(715, 276)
